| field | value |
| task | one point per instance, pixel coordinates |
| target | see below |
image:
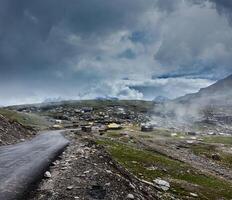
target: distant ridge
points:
(161, 99)
(218, 93)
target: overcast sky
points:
(130, 49)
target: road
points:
(22, 165)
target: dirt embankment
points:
(12, 132)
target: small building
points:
(58, 121)
(86, 129)
(191, 133)
(87, 109)
(114, 126)
(147, 128)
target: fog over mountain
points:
(132, 49)
(219, 93)
(213, 100)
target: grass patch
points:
(27, 120)
(218, 139)
(207, 150)
(162, 132)
(139, 162)
(113, 134)
(144, 136)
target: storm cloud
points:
(79, 49)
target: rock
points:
(96, 192)
(152, 168)
(193, 138)
(216, 157)
(193, 194)
(130, 196)
(70, 187)
(189, 141)
(107, 184)
(164, 185)
(64, 168)
(132, 186)
(47, 174)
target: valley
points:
(130, 149)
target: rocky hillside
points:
(219, 93)
(211, 105)
(12, 131)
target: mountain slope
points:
(219, 93)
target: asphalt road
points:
(22, 165)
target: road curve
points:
(23, 164)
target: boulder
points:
(164, 185)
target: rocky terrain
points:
(12, 131)
(87, 171)
(217, 94)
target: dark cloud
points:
(33, 34)
(76, 48)
(167, 5)
(223, 7)
(197, 40)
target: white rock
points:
(107, 184)
(152, 168)
(132, 186)
(193, 194)
(69, 187)
(189, 141)
(193, 138)
(164, 185)
(130, 196)
(47, 174)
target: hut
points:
(87, 129)
(147, 128)
(114, 126)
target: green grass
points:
(162, 132)
(145, 136)
(113, 134)
(27, 120)
(218, 139)
(178, 173)
(208, 149)
(117, 134)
